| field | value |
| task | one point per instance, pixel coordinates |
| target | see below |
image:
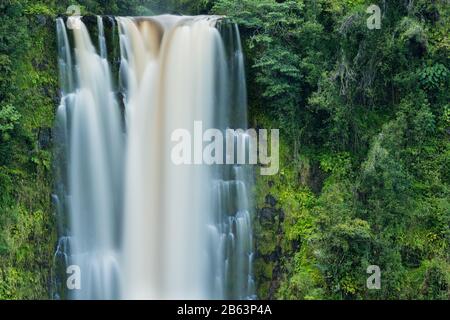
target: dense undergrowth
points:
(364, 125)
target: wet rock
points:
(41, 20)
(312, 176)
(44, 138)
(295, 245)
(275, 255)
(270, 200)
(90, 20)
(281, 215)
(267, 215)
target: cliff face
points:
(284, 225)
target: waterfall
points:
(137, 225)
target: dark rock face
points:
(90, 20)
(313, 177)
(270, 200)
(271, 217)
(275, 255)
(41, 20)
(281, 215)
(296, 245)
(44, 138)
(317, 179)
(267, 215)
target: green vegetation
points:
(364, 121)
(363, 118)
(28, 91)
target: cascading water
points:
(89, 126)
(138, 225)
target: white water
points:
(139, 226)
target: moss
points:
(264, 269)
(266, 241)
(263, 289)
(282, 224)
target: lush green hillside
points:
(364, 121)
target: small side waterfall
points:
(137, 225)
(89, 127)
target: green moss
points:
(266, 241)
(263, 289)
(264, 269)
